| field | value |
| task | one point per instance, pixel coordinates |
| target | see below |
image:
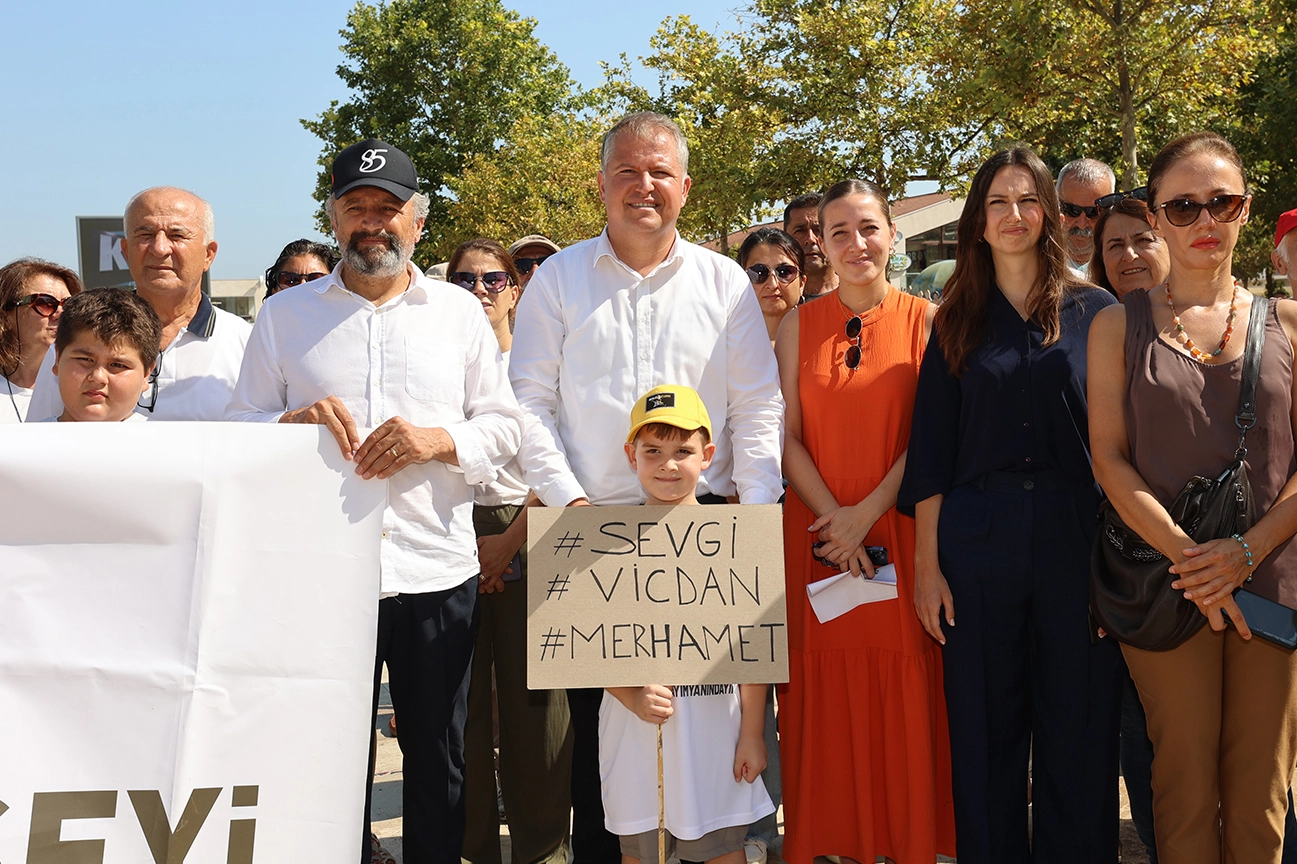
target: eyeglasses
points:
(287, 279)
(852, 358)
(1183, 212)
(152, 398)
(525, 265)
(44, 304)
(1071, 210)
(1107, 202)
(785, 273)
(494, 282)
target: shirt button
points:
(1028, 459)
(1028, 485)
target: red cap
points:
(1287, 222)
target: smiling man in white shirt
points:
(377, 344)
(607, 320)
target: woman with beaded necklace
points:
(1165, 373)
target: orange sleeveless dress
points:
(864, 746)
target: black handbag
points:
(1130, 582)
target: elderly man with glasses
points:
(530, 252)
(1080, 183)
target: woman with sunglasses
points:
(535, 738)
(1165, 373)
(863, 740)
(301, 261)
(999, 480)
(32, 292)
(776, 265)
(1128, 254)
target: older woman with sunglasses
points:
(301, 261)
(862, 718)
(776, 265)
(1006, 510)
(535, 735)
(1128, 254)
(32, 293)
(1165, 376)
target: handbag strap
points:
(1245, 419)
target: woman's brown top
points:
(1180, 424)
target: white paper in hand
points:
(839, 594)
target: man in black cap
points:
(378, 345)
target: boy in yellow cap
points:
(713, 751)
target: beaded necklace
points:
(1183, 338)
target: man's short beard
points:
(380, 263)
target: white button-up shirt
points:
(592, 336)
(427, 356)
(196, 372)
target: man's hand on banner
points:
(333, 414)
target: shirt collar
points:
(203, 324)
(603, 249)
(417, 292)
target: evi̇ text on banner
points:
(187, 619)
(626, 596)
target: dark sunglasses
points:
(1071, 210)
(44, 304)
(525, 265)
(852, 358)
(1107, 202)
(785, 273)
(495, 282)
(1183, 212)
(287, 279)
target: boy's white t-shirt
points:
(698, 745)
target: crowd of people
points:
(1088, 344)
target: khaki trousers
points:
(535, 733)
(1222, 715)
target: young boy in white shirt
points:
(712, 746)
(106, 346)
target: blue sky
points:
(100, 100)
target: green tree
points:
(1112, 79)
(444, 80)
(540, 182)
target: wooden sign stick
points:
(662, 811)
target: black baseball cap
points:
(374, 163)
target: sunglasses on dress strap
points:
(852, 358)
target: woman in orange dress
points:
(862, 721)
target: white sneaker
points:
(755, 848)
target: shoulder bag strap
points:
(1245, 419)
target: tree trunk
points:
(1126, 104)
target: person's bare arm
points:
(1127, 491)
(931, 591)
(750, 754)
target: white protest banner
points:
(626, 596)
(187, 626)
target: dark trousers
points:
(427, 642)
(1022, 674)
(1137, 763)
(592, 842)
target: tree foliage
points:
(542, 181)
(444, 80)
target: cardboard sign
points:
(187, 616)
(629, 596)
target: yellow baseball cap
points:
(673, 404)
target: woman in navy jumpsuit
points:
(999, 480)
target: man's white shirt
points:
(592, 336)
(427, 356)
(196, 372)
